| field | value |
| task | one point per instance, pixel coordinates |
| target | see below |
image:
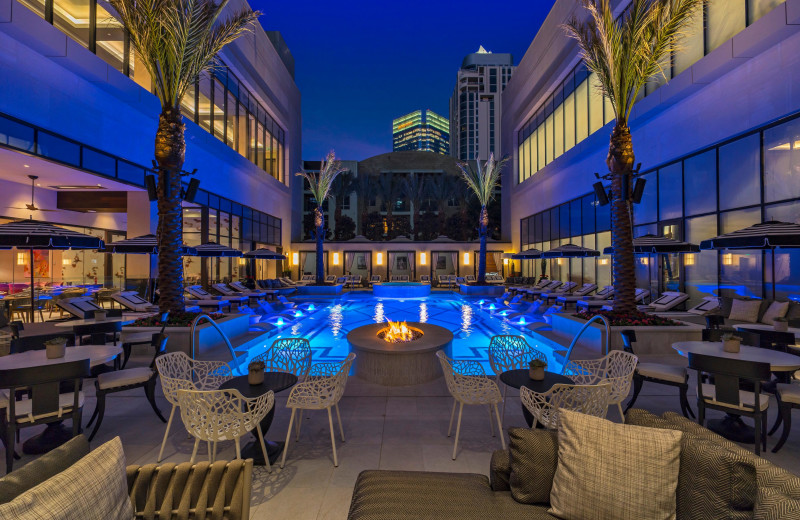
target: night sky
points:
(360, 64)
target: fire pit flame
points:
(399, 332)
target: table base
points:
(51, 438)
(733, 428)
(252, 450)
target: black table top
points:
(275, 381)
(520, 377)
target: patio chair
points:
(128, 379)
(588, 304)
(616, 368)
(544, 407)
(667, 301)
(725, 393)
(180, 372)
(580, 293)
(788, 397)
(292, 355)
(223, 415)
(321, 391)
(45, 402)
(404, 278)
(468, 384)
(659, 373)
(342, 280)
(460, 280)
(508, 352)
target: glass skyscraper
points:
(426, 131)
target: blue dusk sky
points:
(360, 64)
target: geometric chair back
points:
(508, 352)
(587, 399)
(292, 355)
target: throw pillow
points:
(609, 471)
(41, 469)
(745, 310)
(94, 488)
(775, 310)
(534, 457)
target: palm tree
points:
(624, 53)
(367, 190)
(483, 183)
(176, 40)
(342, 187)
(441, 188)
(389, 190)
(319, 184)
(413, 188)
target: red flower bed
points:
(176, 319)
(630, 319)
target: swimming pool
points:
(472, 326)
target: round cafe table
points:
(275, 381)
(519, 378)
(55, 434)
(732, 427)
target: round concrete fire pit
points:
(397, 364)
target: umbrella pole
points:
(32, 314)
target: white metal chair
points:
(587, 399)
(223, 415)
(616, 368)
(468, 384)
(321, 391)
(180, 372)
(509, 352)
(292, 355)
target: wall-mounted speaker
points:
(191, 190)
(638, 190)
(600, 193)
(150, 184)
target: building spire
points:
(481, 50)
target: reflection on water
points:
(335, 319)
(379, 317)
(466, 319)
(423, 312)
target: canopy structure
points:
(33, 234)
(570, 251)
(214, 250)
(767, 235)
(264, 254)
(651, 244)
(142, 245)
(524, 255)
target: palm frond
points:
(320, 183)
(627, 51)
(177, 40)
(483, 180)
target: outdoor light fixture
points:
(505, 261)
(688, 259)
(466, 258)
(423, 259)
(727, 259)
(604, 261)
(295, 258)
(335, 258)
(379, 261)
(242, 261)
(20, 258)
(644, 260)
(560, 261)
(65, 261)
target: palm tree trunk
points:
(482, 228)
(319, 223)
(169, 154)
(620, 164)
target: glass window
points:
(581, 112)
(130, 172)
(99, 162)
(531, 159)
(188, 103)
(521, 162)
(231, 126)
(569, 122)
(595, 104)
(782, 161)
(549, 133)
(739, 178)
(587, 214)
(564, 220)
(545, 226)
(725, 19)
(242, 145)
(139, 72)
(260, 158)
(16, 135)
(575, 218)
(741, 269)
(73, 18)
(554, 227)
(647, 209)
(269, 152)
(603, 263)
(558, 129)
(219, 109)
(700, 268)
(670, 192)
(59, 149)
(110, 36)
(540, 154)
(758, 8)
(204, 102)
(603, 217)
(690, 47)
(589, 264)
(700, 177)
(787, 261)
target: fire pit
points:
(395, 354)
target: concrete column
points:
(142, 220)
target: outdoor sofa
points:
(718, 479)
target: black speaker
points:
(191, 190)
(638, 190)
(150, 184)
(600, 193)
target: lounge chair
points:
(425, 278)
(197, 292)
(133, 302)
(460, 280)
(667, 301)
(355, 281)
(330, 278)
(604, 294)
(375, 278)
(561, 290)
(531, 312)
(580, 293)
(232, 294)
(708, 305)
(242, 289)
(214, 305)
(523, 288)
(404, 278)
(342, 280)
(470, 278)
(639, 296)
(551, 286)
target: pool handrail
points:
(603, 346)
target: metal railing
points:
(603, 347)
(235, 358)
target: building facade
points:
(717, 139)
(475, 106)
(425, 131)
(78, 113)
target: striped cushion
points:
(534, 458)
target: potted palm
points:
(536, 369)
(780, 324)
(55, 348)
(731, 343)
(255, 372)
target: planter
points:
(100, 315)
(731, 345)
(56, 350)
(255, 377)
(780, 326)
(536, 373)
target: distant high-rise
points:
(475, 108)
(426, 131)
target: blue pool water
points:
(473, 325)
